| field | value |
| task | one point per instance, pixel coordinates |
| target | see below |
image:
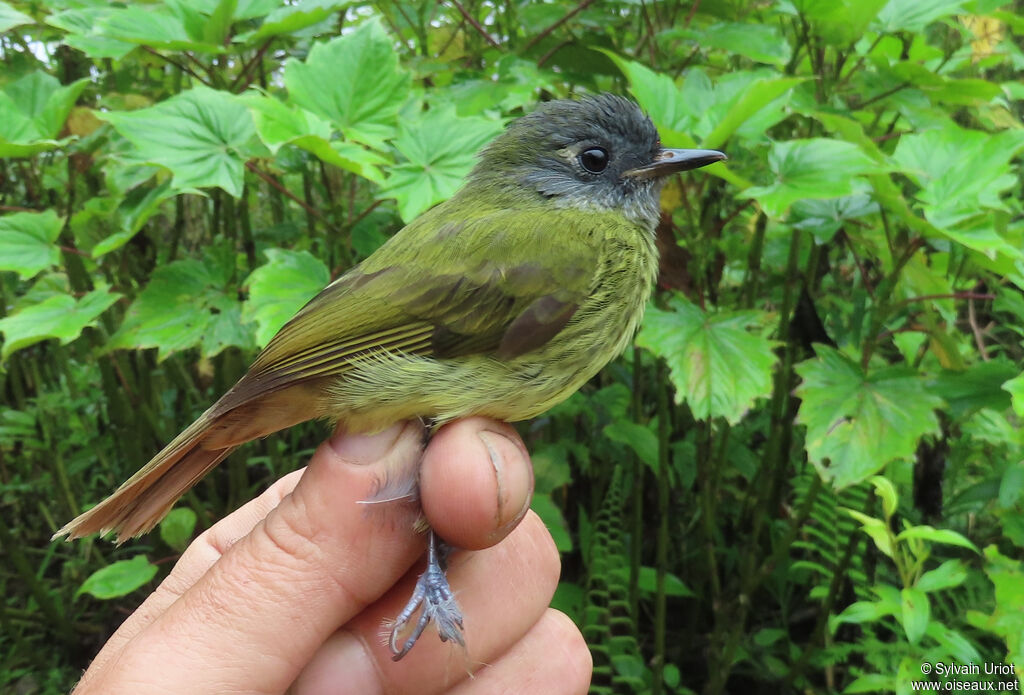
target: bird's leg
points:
(434, 600)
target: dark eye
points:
(594, 160)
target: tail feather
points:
(145, 498)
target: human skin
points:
(288, 594)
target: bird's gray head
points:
(598, 153)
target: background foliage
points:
(807, 477)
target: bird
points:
(501, 302)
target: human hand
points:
(289, 592)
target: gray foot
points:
(434, 599)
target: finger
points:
(552, 659)
(470, 505)
(503, 592)
(257, 616)
(196, 560)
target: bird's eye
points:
(594, 160)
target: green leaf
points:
(279, 124)
(816, 168)
(118, 579)
(861, 612)
(979, 386)
(949, 574)
(27, 242)
(33, 110)
(1011, 485)
(206, 136)
(181, 308)
(763, 43)
(1015, 387)
(363, 99)
(887, 492)
(552, 517)
(856, 422)
(876, 529)
(59, 316)
(716, 365)
(914, 15)
(647, 581)
(936, 535)
(177, 527)
(915, 614)
(756, 97)
(279, 288)
(1007, 619)
(640, 439)
(292, 18)
(963, 175)
(158, 26)
(441, 150)
(82, 25)
(138, 206)
(10, 18)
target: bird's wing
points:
(502, 283)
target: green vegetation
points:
(808, 477)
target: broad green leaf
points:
(180, 308)
(962, 175)
(756, 96)
(979, 386)
(292, 18)
(205, 138)
(1011, 485)
(936, 535)
(156, 26)
(177, 527)
(10, 18)
(914, 15)
(82, 25)
(278, 124)
(60, 316)
(640, 439)
(279, 288)
(119, 578)
(716, 364)
(816, 168)
(856, 422)
(363, 98)
(441, 150)
(1007, 619)
(823, 218)
(1015, 387)
(949, 574)
(839, 22)
(33, 110)
(759, 42)
(915, 614)
(551, 515)
(138, 206)
(28, 241)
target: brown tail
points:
(145, 498)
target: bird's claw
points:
(434, 600)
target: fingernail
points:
(514, 481)
(363, 449)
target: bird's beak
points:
(672, 161)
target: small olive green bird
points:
(500, 302)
